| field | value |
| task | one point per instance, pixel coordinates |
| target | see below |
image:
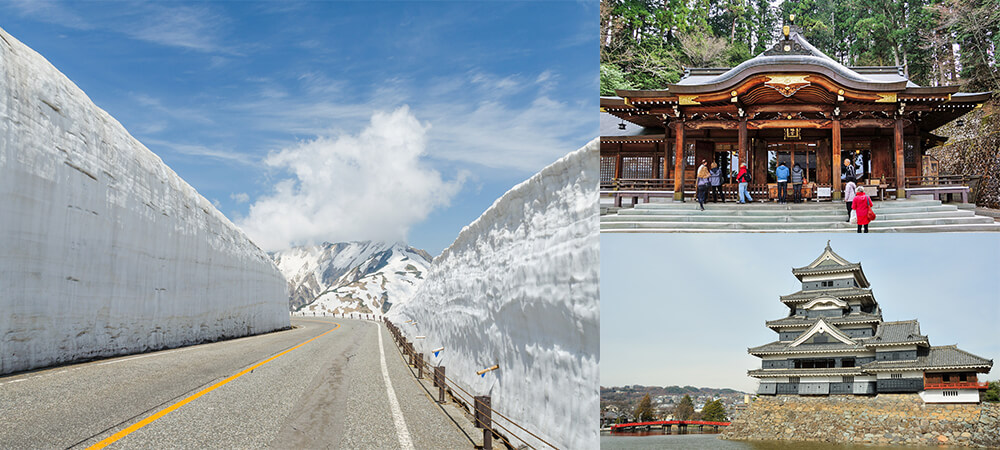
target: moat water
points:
(697, 441)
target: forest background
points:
(646, 44)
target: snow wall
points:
(104, 250)
(519, 288)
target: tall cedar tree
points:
(643, 38)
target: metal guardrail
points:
(483, 412)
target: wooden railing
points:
(958, 385)
(660, 184)
(638, 184)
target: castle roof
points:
(829, 262)
(841, 293)
(785, 347)
(896, 333)
(946, 357)
(800, 321)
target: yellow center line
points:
(111, 439)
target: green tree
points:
(612, 78)
(685, 409)
(644, 412)
(714, 411)
(992, 393)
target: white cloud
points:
(373, 185)
(240, 197)
(201, 150)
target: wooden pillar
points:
(679, 160)
(618, 162)
(837, 163)
(666, 159)
(656, 165)
(897, 138)
(743, 143)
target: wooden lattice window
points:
(637, 167)
(608, 164)
(909, 152)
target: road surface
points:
(321, 384)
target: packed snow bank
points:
(519, 288)
(103, 249)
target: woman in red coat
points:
(861, 205)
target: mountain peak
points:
(355, 276)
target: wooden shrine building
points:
(790, 104)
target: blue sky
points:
(313, 121)
(681, 309)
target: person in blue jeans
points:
(781, 172)
(797, 177)
(743, 178)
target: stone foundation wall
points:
(884, 419)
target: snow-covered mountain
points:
(351, 276)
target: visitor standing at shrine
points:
(849, 196)
(862, 205)
(715, 180)
(743, 178)
(702, 184)
(849, 170)
(797, 176)
(781, 172)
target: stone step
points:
(716, 216)
(709, 210)
(788, 226)
(853, 229)
(787, 206)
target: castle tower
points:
(834, 341)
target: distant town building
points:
(834, 341)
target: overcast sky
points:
(682, 309)
(332, 121)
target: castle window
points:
(826, 283)
(896, 376)
(793, 380)
(949, 393)
(848, 379)
(847, 362)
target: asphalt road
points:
(327, 393)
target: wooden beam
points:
(835, 154)
(789, 108)
(897, 137)
(704, 124)
(867, 123)
(679, 160)
(698, 109)
(855, 107)
(792, 123)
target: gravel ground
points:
(328, 393)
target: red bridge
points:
(679, 423)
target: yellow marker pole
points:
(488, 369)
